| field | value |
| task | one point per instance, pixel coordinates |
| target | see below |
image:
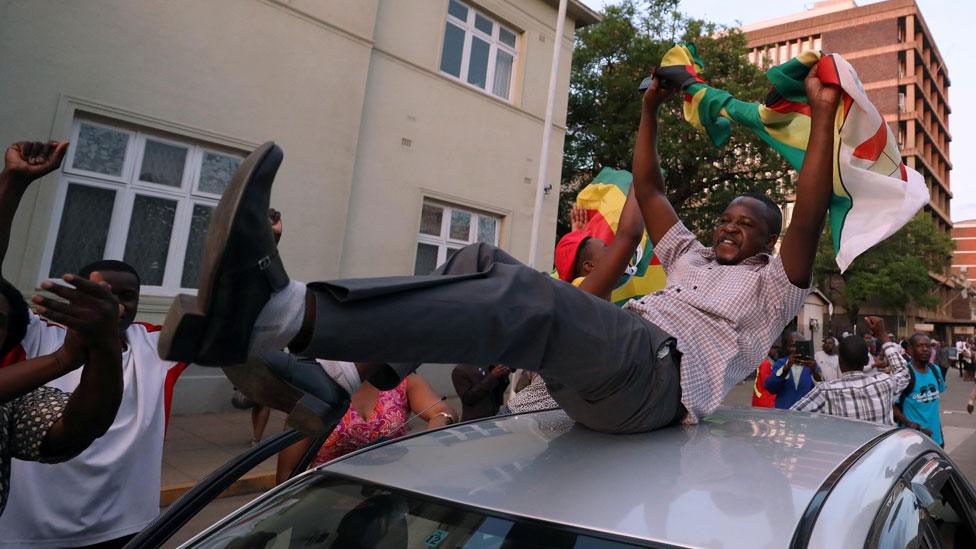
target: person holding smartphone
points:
(795, 374)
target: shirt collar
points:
(759, 260)
(854, 374)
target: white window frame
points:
(443, 241)
(494, 45)
(126, 188)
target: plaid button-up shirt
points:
(859, 395)
(724, 317)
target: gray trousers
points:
(608, 368)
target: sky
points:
(949, 22)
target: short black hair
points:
(773, 217)
(17, 318)
(109, 265)
(581, 256)
(853, 352)
(915, 337)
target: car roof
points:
(743, 477)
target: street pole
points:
(540, 186)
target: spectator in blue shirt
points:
(793, 375)
(918, 406)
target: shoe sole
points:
(184, 332)
(305, 412)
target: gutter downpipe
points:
(540, 188)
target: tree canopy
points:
(893, 275)
(610, 60)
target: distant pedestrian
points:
(481, 390)
(918, 405)
(965, 358)
(793, 375)
(827, 359)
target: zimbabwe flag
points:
(603, 199)
(874, 192)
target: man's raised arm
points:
(815, 184)
(630, 231)
(658, 214)
(23, 163)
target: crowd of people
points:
(85, 385)
(870, 377)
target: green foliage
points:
(892, 275)
(610, 60)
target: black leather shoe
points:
(241, 269)
(314, 402)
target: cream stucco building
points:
(410, 128)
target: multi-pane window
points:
(446, 229)
(478, 50)
(139, 197)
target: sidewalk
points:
(196, 445)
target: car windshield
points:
(324, 510)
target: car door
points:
(930, 506)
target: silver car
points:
(742, 478)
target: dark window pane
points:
(147, 244)
(503, 74)
(163, 163)
(478, 63)
(192, 260)
(84, 228)
(483, 24)
(426, 259)
(487, 229)
(216, 171)
(458, 10)
(430, 219)
(452, 50)
(506, 37)
(460, 225)
(100, 150)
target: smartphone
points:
(805, 348)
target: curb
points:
(248, 484)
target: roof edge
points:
(579, 12)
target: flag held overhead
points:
(874, 192)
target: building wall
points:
(427, 135)
(350, 90)
(964, 257)
(166, 66)
(890, 46)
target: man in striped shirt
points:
(856, 394)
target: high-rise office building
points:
(896, 57)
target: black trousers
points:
(608, 368)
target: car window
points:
(900, 521)
(324, 510)
(931, 507)
(943, 493)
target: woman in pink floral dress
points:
(373, 414)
